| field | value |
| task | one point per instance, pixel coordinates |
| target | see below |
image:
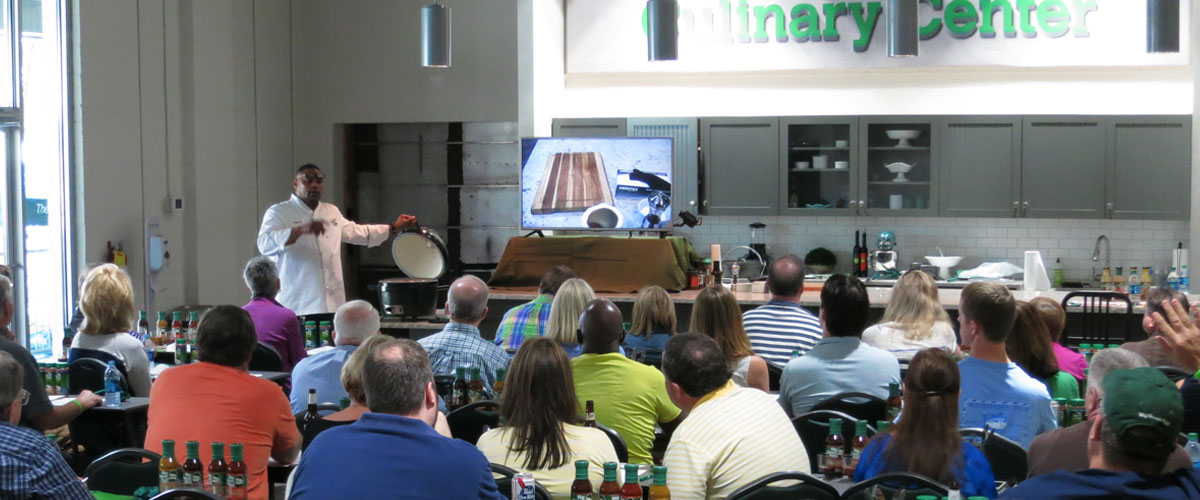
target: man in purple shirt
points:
(277, 326)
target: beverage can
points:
(523, 486)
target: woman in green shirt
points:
(1029, 347)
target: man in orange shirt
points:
(218, 400)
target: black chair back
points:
(808, 488)
(444, 385)
(648, 356)
(123, 471)
(1173, 374)
(186, 493)
(813, 428)
(774, 373)
(1009, 461)
(618, 443)
(890, 485)
(860, 405)
(265, 359)
(88, 373)
(1098, 319)
(504, 483)
(469, 422)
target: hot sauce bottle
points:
(834, 445)
(609, 489)
(631, 490)
(168, 467)
(581, 489)
(660, 491)
(193, 470)
(217, 470)
(236, 480)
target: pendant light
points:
(662, 29)
(435, 36)
(1162, 26)
(902, 29)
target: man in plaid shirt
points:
(460, 343)
(529, 319)
(30, 465)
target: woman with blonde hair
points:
(108, 316)
(653, 323)
(914, 320)
(572, 297)
(716, 314)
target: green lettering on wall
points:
(806, 23)
(743, 13)
(775, 13)
(832, 11)
(866, 26)
(1082, 8)
(934, 26)
(987, 10)
(961, 18)
(1054, 18)
(1025, 9)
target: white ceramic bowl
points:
(943, 263)
(899, 168)
(903, 136)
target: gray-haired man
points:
(353, 322)
(460, 344)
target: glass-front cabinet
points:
(819, 175)
(899, 168)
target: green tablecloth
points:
(608, 264)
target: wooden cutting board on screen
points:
(573, 182)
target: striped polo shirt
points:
(732, 437)
(779, 327)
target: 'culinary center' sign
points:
(608, 36)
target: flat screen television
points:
(596, 184)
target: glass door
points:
(820, 162)
(901, 162)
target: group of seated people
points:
(710, 398)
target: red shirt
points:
(207, 402)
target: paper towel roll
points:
(1035, 272)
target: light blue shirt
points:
(1002, 397)
(322, 372)
(833, 366)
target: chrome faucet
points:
(1107, 251)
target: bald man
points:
(460, 343)
(781, 326)
(642, 400)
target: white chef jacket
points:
(310, 270)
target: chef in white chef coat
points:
(304, 237)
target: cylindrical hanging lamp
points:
(1162, 26)
(662, 29)
(435, 36)
(903, 31)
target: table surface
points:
(130, 404)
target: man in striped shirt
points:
(781, 326)
(732, 435)
(530, 319)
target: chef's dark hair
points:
(307, 166)
(554, 278)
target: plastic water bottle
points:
(112, 385)
(1183, 280)
(1193, 450)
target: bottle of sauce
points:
(854, 254)
(217, 470)
(882, 426)
(177, 326)
(143, 326)
(498, 387)
(462, 395)
(895, 402)
(237, 479)
(193, 470)
(475, 386)
(609, 489)
(162, 332)
(717, 274)
(857, 445)
(863, 260)
(589, 415)
(631, 490)
(193, 325)
(834, 446)
(1119, 280)
(66, 344)
(168, 467)
(581, 489)
(310, 413)
(1147, 282)
(660, 491)
(1106, 280)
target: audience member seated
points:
(529, 320)
(653, 323)
(108, 316)
(38, 413)
(1150, 348)
(540, 411)
(629, 397)
(1055, 319)
(572, 297)
(30, 466)
(732, 435)
(1028, 346)
(460, 343)
(77, 314)
(352, 383)
(716, 314)
(926, 440)
(393, 448)
(1066, 449)
(914, 320)
(354, 322)
(218, 400)
(1128, 446)
(840, 362)
(781, 326)
(996, 393)
(276, 326)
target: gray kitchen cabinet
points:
(1062, 167)
(684, 133)
(980, 174)
(739, 166)
(588, 127)
(885, 192)
(819, 167)
(1150, 165)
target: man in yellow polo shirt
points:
(630, 397)
(732, 436)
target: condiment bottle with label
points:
(609, 489)
(581, 489)
(834, 446)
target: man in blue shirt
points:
(996, 393)
(1127, 446)
(352, 323)
(781, 326)
(460, 343)
(840, 362)
(30, 466)
(393, 451)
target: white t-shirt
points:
(126, 348)
(890, 337)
